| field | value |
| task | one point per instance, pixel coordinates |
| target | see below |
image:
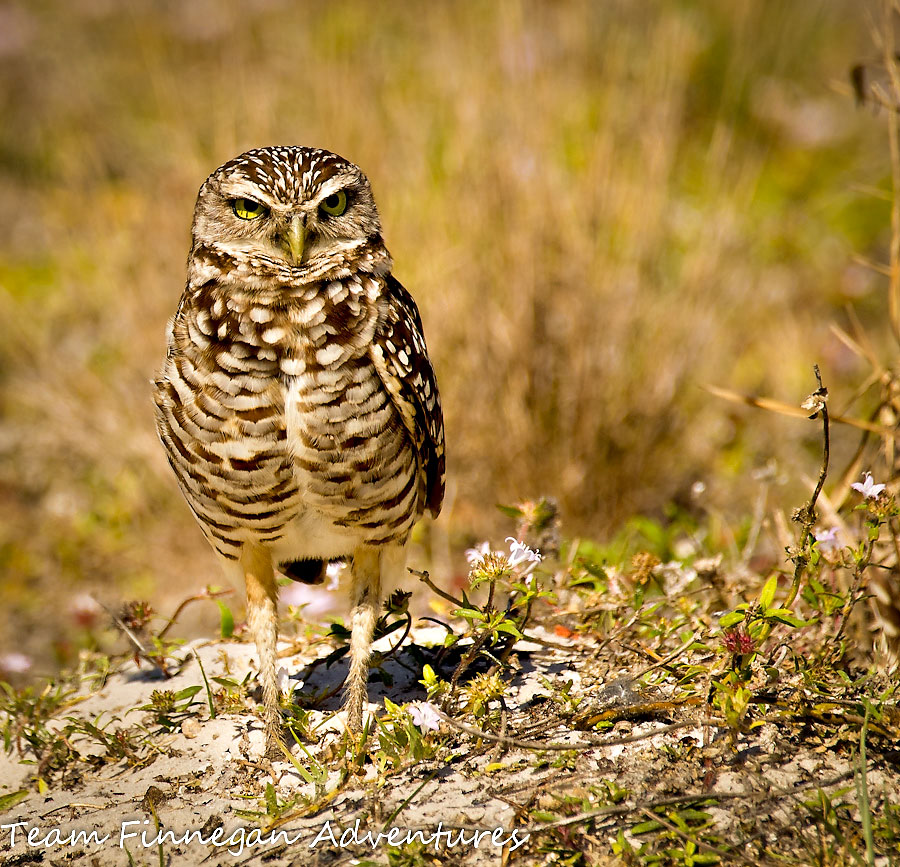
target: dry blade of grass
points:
(782, 408)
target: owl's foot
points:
(353, 706)
(275, 745)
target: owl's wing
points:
(401, 359)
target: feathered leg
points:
(369, 566)
(262, 615)
(366, 597)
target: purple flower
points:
(738, 641)
(424, 715)
(867, 488)
(828, 539)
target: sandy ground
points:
(203, 781)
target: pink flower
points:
(424, 715)
(15, 663)
(828, 540)
(84, 610)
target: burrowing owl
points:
(297, 404)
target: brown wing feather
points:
(401, 358)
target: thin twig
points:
(184, 604)
(664, 662)
(577, 745)
(423, 576)
(396, 647)
(806, 516)
(140, 648)
(687, 798)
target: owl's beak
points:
(295, 237)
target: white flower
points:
(284, 680)
(473, 555)
(828, 540)
(333, 572)
(15, 663)
(520, 553)
(424, 715)
(869, 490)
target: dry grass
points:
(599, 207)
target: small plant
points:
(24, 714)
(480, 692)
(170, 709)
(232, 697)
(272, 808)
(493, 628)
(401, 735)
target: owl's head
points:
(297, 208)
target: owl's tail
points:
(304, 571)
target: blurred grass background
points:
(598, 206)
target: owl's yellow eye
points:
(335, 204)
(247, 209)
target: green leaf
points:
(768, 592)
(731, 619)
(307, 776)
(339, 631)
(509, 627)
(784, 615)
(271, 800)
(7, 802)
(646, 827)
(226, 620)
(510, 511)
(593, 568)
(187, 692)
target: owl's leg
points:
(366, 597)
(262, 615)
(369, 565)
